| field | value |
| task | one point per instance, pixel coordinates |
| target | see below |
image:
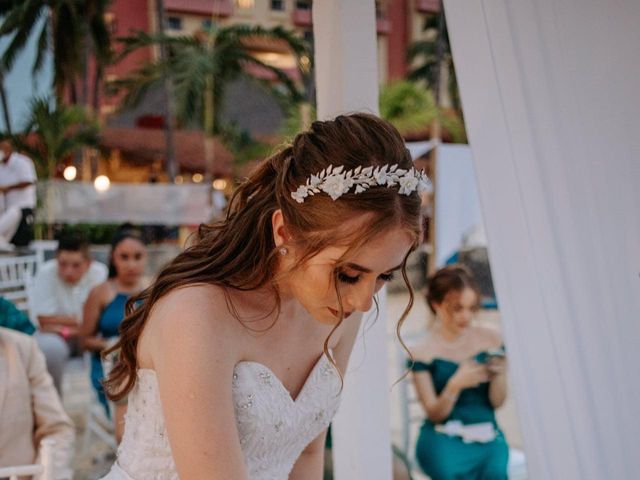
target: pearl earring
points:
(283, 251)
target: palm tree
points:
(54, 133)
(69, 26)
(433, 54)
(201, 70)
(5, 104)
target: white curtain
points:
(551, 100)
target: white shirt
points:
(52, 296)
(18, 169)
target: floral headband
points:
(335, 182)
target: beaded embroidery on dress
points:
(274, 428)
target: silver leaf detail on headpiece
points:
(335, 181)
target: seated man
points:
(60, 288)
(18, 189)
(30, 409)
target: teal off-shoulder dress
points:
(450, 457)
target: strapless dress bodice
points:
(273, 428)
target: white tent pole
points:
(347, 81)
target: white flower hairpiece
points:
(335, 182)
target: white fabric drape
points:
(550, 92)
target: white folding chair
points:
(97, 422)
(41, 471)
(16, 275)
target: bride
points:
(233, 360)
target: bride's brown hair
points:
(239, 251)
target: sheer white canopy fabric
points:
(551, 102)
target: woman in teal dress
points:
(459, 372)
(104, 309)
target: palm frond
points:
(41, 50)
(421, 48)
(14, 16)
(282, 77)
(101, 41)
(26, 23)
(58, 131)
(142, 39)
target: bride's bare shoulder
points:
(190, 315)
(191, 301)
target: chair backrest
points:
(14, 473)
(16, 274)
(411, 411)
(43, 469)
(412, 417)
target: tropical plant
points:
(432, 55)
(71, 28)
(201, 69)
(293, 122)
(411, 108)
(243, 146)
(53, 133)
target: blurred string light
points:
(179, 180)
(197, 177)
(220, 184)
(102, 183)
(70, 173)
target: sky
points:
(20, 84)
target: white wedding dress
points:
(273, 428)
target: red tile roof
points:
(200, 7)
(142, 145)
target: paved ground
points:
(94, 458)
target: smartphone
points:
(485, 357)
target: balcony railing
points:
(428, 6)
(383, 25)
(222, 8)
(301, 17)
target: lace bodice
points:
(273, 428)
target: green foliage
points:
(70, 28)
(411, 108)
(52, 133)
(243, 146)
(293, 124)
(408, 106)
(424, 54)
(193, 63)
(96, 234)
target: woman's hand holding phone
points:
(470, 374)
(496, 364)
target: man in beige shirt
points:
(30, 408)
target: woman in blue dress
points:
(104, 309)
(459, 372)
